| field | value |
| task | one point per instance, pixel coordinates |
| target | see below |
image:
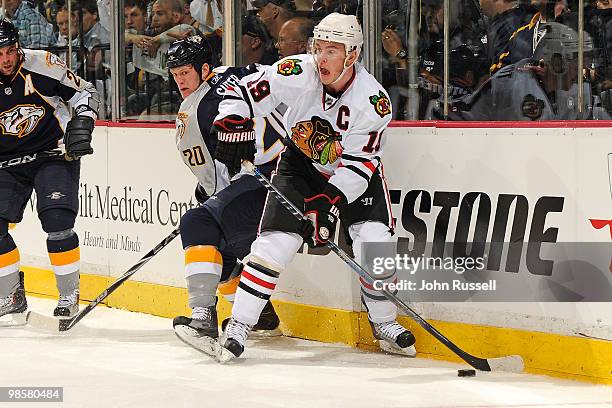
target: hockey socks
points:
(257, 283)
(9, 266)
(203, 266)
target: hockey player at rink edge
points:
(543, 87)
(222, 229)
(335, 118)
(37, 87)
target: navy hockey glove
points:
(323, 210)
(235, 141)
(200, 194)
(78, 136)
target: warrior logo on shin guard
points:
(318, 140)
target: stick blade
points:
(15, 320)
(513, 364)
(42, 322)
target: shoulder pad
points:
(45, 63)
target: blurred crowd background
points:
(507, 59)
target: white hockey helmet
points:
(340, 28)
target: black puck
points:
(466, 373)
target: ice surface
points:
(115, 358)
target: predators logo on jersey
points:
(21, 120)
(318, 140)
(532, 107)
(52, 59)
(381, 103)
(181, 123)
(290, 67)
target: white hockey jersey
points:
(341, 134)
(194, 122)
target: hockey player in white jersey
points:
(223, 228)
(337, 113)
(38, 92)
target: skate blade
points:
(262, 334)
(204, 344)
(15, 320)
(393, 349)
(42, 322)
(224, 355)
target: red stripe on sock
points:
(258, 281)
(367, 285)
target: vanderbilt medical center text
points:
(128, 204)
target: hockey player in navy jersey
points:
(37, 92)
(215, 234)
(336, 115)
(544, 87)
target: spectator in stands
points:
(321, 8)
(293, 36)
(467, 70)
(188, 19)
(561, 7)
(64, 24)
(167, 26)
(256, 42)
(34, 29)
(135, 16)
(209, 13)
(93, 33)
(466, 24)
(166, 14)
(274, 13)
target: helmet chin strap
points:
(346, 68)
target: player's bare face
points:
(186, 78)
(9, 59)
(330, 58)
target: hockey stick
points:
(67, 324)
(29, 158)
(507, 363)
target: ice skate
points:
(267, 326)
(199, 331)
(233, 340)
(68, 305)
(394, 338)
(15, 304)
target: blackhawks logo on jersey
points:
(318, 140)
(381, 103)
(290, 67)
(21, 120)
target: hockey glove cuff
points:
(235, 141)
(323, 211)
(78, 136)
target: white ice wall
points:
(572, 163)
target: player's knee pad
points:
(275, 249)
(57, 219)
(198, 227)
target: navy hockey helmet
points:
(194, 50)
(9, 35)
(462, 59)
(557, 45)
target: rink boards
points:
(135, 187)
